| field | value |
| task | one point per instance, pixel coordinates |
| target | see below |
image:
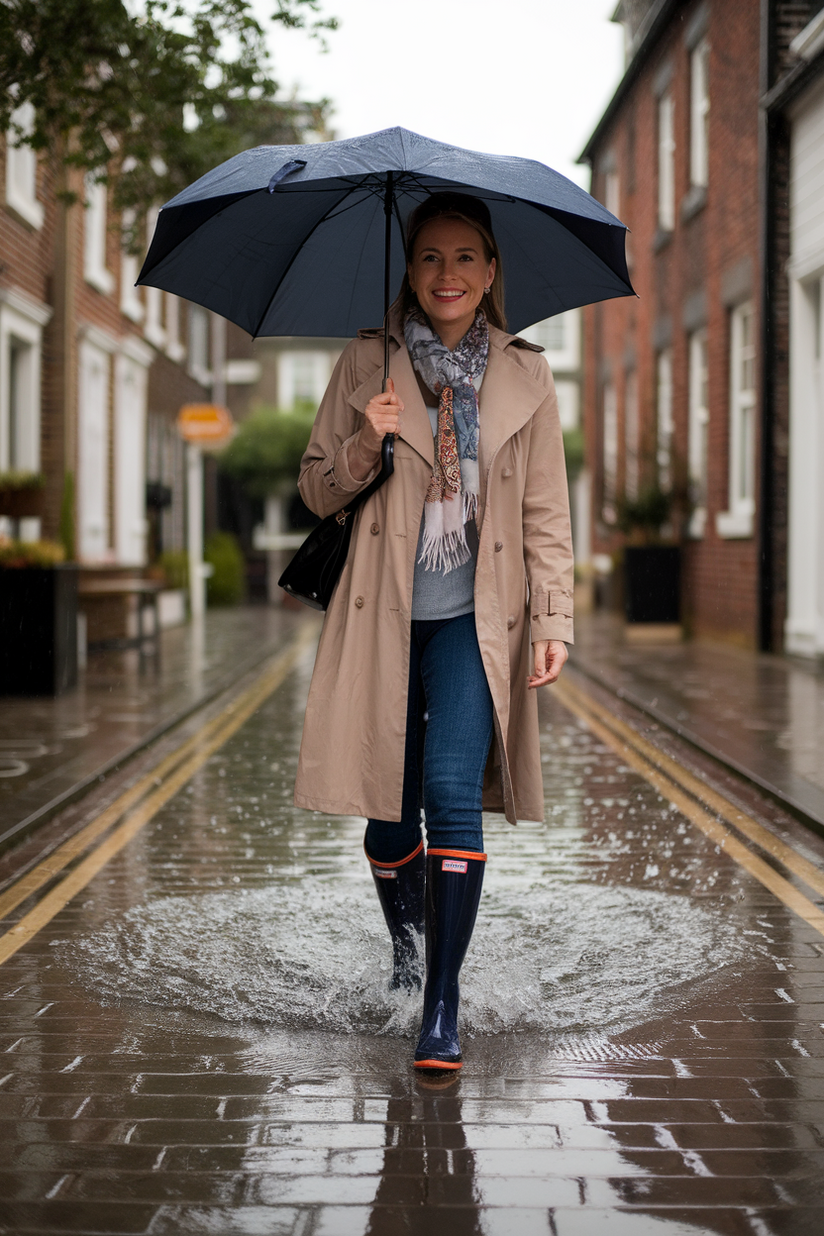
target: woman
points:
(422, 681)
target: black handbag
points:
(315, 569)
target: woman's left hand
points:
(550, 655)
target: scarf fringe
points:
(444, 551)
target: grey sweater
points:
(439, 594)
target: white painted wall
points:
(804, 629)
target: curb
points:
(43, 814)
(802, 812)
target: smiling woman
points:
(455, 600)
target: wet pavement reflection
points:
(204, 1041)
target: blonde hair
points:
(469, 210)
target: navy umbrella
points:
(296, 240)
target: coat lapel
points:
(508, 398)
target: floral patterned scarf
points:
(450, 376)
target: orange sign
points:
(207, 424)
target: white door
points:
(130, 462)
(804, 631)
(93, 455)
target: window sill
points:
(175, 351)
(101, 280)
(26, 210)
(734, 525)
(662, 238)
(155, 335)
(133, 309)
(693, 203)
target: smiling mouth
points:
(451, 294)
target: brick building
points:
(93, 370)
(681, 396)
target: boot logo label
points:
(385, 875)
(454, 864)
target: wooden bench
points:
(110, 630)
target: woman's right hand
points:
(383, 416)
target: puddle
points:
(576, 959)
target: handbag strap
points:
(387, 468)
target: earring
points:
(487, 290)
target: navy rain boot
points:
(453, 889)
(401, 894)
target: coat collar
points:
(508, 398)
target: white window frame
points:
(699, 420)
(21, 323)
(612, 193)
(609, 513)
(632, 438)
(666, 162)
(131, 304)
(21, 169)
(153, 328)
(664, 419)
(289, 363)
(545, 334)
(175, 347)
(200, 334)
(568, 392)
(699, 113)
(95, 236)
(738, 521)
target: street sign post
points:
(202, 426)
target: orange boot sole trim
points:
(437, 1064)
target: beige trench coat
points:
(352, 753)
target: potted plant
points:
(21, 494)
(38, 619)
(652, 555)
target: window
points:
(612, 193)
(130, 302)
(21, 169)
(699, 419)
(303, 376)
(737, 521)
(95, 271)
(154, 329)
(560, 337)
(632, 445)
(609, 513)
(175, 348)
(568, 399)
(199, 344)
(129, 457)
(666, 162)
(699, 113)
(664, 420)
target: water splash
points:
(574, 959)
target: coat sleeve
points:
(546, 524)
(325, 481)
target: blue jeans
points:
(447, 679)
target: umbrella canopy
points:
(295, 240)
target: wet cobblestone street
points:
(202, 1039)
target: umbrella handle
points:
(388, 455)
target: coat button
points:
(498, 546)
(506, 472)
(359, 602)
(510, 623)
(374, 530)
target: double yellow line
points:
(692, 797)
(151, 792)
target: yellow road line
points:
(206, 741)
(786, 855)
(584, 707)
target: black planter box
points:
(38, 630)
(652, 583)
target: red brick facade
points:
(689, 278)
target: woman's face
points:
(448, 273)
